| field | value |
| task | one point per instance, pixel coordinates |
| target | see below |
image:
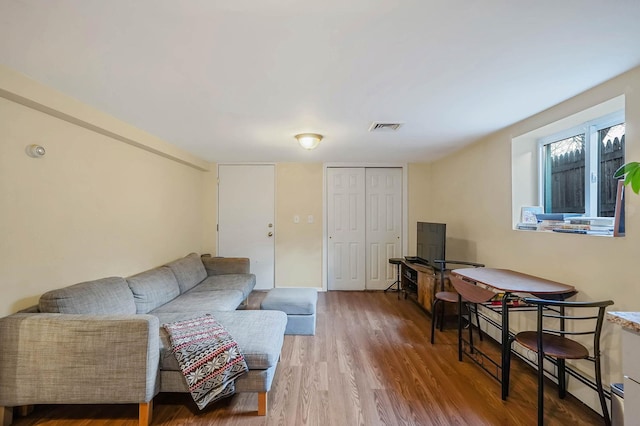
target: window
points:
(577, 166)
(567, 165)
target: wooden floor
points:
(370, 363)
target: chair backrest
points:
(471, 292)
(590, 315)
(443, 267)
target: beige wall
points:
(299, 191)
(475, 201)
(93, 206)
(419, 200)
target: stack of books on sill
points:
(571, 223)
(559, 221)
(594, 225)
(547, 221)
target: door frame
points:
(325, 237)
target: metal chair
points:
(469, 294)
(443, 296)
(396, 261)
(549, 340)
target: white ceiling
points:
(236, 80)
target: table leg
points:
(505, 346)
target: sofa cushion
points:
(189, 271)
(225, 265)
(106, 296)
(153, 288)
(241, 282)
(294, 301)
(259, 335)
(223, 300)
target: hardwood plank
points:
(370, 363)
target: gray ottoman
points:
(298, 303)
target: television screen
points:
(431, 238)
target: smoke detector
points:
(377, 126)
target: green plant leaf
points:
(631, 173)
(635, 180)
(627, 179)
(625, 169)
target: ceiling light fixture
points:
(309, 140)
(35, 151)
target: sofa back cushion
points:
(153, 288)
(189, 271)
(106, 296)
(226, 265)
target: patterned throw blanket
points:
(208, 357)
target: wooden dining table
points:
(509, 282)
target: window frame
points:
(590, 129)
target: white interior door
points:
(383, 224)
(246, 227)
(346, 228)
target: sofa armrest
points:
(226, 265)
(78, 359)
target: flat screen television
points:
(431, 238)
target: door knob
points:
(270, 234)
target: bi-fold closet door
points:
(364, 224)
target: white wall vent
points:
(377, 126)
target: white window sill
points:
(570, 232)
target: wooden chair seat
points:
(555, 346)
(447, 296)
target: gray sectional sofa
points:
(102, 341)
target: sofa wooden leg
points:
(262, 403)
(145, 413)
(6, 416)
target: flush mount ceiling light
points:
(309, 140)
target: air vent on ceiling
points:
(384, 127)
